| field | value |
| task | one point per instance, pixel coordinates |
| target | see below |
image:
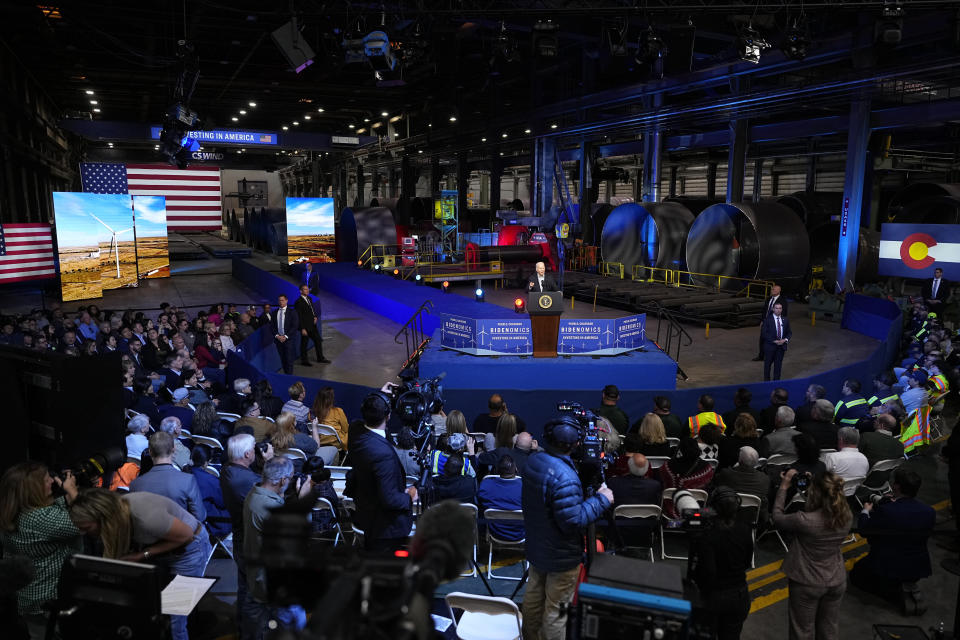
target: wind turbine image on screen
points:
(114, 245)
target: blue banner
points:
(915, 250)
(487, 337)
(221, 136)
(601, 337)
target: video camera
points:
(693, 517)
(592, 443)
(415, 399)
(100, 464)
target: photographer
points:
(720, 569)
(814, 565)
(555, 513)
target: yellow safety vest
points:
(917, 432)
(707, 417)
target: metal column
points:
(435, 176)
(858, 138)
(543, 161)
(359, 201)
(496, 178)
(652, 150)
(757, 179)
(736, 160)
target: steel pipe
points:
(648, 234)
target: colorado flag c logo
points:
(915, 250)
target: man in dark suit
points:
(284, 327)
(821, 427)
(377, 482)
(308, 313)
(173, 371)
(744, 477)
(936, 291)
(310, 278)
(180, 408)
(774, 298)
(540, 281)
(897, 530)
(265, 318)
(634, 488)
(776, 334)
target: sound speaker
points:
(293, 46)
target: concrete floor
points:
(363, 351)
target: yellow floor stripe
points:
(765, 569)
(753, 586)
(771, 598)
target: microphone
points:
(443, 542)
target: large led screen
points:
(78, 242)
(310, 230)
(150, 216)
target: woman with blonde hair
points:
(653, 437)
(35, 525)
(814, 565)
(145, 527)
(325, 411)
(283, 434)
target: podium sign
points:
(486, 336)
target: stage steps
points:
(694, 305)
(180, 248)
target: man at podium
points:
(540, 281)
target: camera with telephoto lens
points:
(97, 465)
(592, 444)
(415, 399)
(693, 517)
(801, 482)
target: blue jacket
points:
(182, 488)
(555, 512)
(897, 532)
(377, 485)
(218, 518)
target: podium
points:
(545, 309)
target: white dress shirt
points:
(847, 463)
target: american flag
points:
(26, 252)
(193, 195)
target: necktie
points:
(770, 308)
(936, 285)
(280, 321)
(779, 330)
(541, 284)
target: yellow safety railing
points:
(611, 269)
(382, 254)
(435, 270)
(743, 286)
(652, 274)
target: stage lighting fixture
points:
(889, 28)
(518, 305)
(650, 48)
(293, 46)
(359, 263)
(418, 279)
(252, 104)
(478, 295)
(445, 286)
(396, 273)
(750, 44)
(796, 42)
(545, 39)
(376, 267)
(285, 128)
(376, 46)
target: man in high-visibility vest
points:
(916, 433)
(852, 405)
(705, 415)
(937, 384)
(883, 392)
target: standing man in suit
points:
(309, 278)
(775, 298)
(776, 334)
(377, 482)
(284, 327)
(936, 291)
(308, 313)
(540, 281)
(266, 317)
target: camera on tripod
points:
(592, 443)
(415, 399)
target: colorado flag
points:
(915, 250)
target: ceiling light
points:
(307, 117)
(234, 118)
(384, 114)
(430, 125)
(93, 102)
(526, 130)
(483, 139)
(501, 153)
(96, 109)
(319, 109)
(366, 119)
(285, 128)
(242, 112)
(503, 135)
(361, 130)
(89, 92)
(350, 126)
(553, 126)
(252, 104)
(296, 123)
(109, 144)
(750, 44)
(453, 118)
(243, 149)
(239, 150)
(419, 150)
(156, 146)
(796, 41)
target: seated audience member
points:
(881, 444)
(653, 437)
(780, 440)
(456, 423)
(244, 328)
(744, 477)
(847, 462)
(709, 441)
(180, 408)
(127, 472)
(503, 443)
(852, 406)
(778, 398)
(883, 392)
(165, 480)
(741, 404)
(487, 422)
(684, 471)
(283, 435)
(743, 434)
(503, 491)
(172, 371)
(321, 486)
(723, 558)
(138, 429)
(636, 487)
(406, 448)
(270, 405)
(145, 400)
(897, 529)
(453, 483)
(325, 411)
(181, 454)
(295, 406)
(211, 358)
(454, 443)
(196, 393)
(915, 395)
(821, 427)
(608, 409)
(673, 427)
(218, 518)
(251, 419)
(705, 415)
(207, 422)
(808, 455)
(230, 402)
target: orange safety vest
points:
(917, 432)
(940, 387)
(707, 417)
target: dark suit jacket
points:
(749, 481)
(633, 489)
(492, 458)
(943, 291)
(306, 311)
(146, 406)
(184, 413)
(898, 532)
(769, 332)
(782, 300)
(266, 319)
(291, 325)
(377, 485)
(825, 433)
(549, 284)
(171, 380)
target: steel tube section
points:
(763, 240)
(916, 192)
(857, 140)
(823, 253)
(648, 234)
(360, 228)
(814, 208)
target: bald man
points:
(540, 281)
(636, 487)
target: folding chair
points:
(130, 413)
(322, 505)
(229, 417)
(656, 462)
(699, 495)
(475, 512)
(216, 447)
(338, 475)
(779, 461)
(936, 420)
(639, 512)
(674, 443)
(852, 483)
(502, 515)
(327, 430)
(292, 453)
(749, 514)
(878, 478)
(484, 618)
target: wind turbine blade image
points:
(125, 230)
(101, 222)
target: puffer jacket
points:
(555, 512)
